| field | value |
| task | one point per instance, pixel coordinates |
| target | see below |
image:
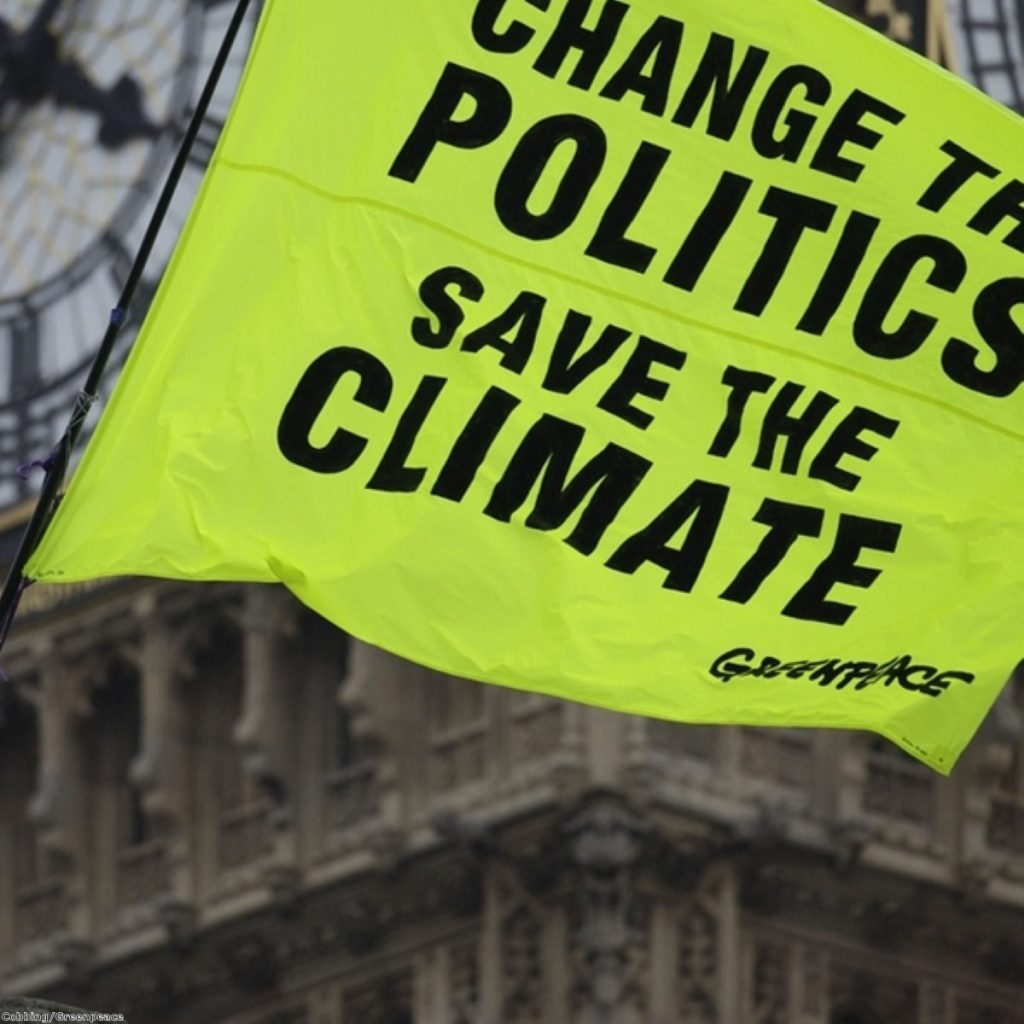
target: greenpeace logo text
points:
(902, 671)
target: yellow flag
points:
(662, 355)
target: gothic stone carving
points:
(609, 920)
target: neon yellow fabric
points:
(663, 356)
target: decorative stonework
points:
(646, 887)
(609, 920)
(771, 991)
(522, 982)
(464, 984)
(267, 620)
(697, 969)
(812, 980)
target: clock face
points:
(990, 38)
(94, 98)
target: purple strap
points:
(83, 403)
(25, 469)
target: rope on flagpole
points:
(56, 463)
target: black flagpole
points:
(56, 464)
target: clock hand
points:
(7, 37)
(26, 68)
(42, 18)
(122, 117)
(32, 70)
(21, 49)
(14, 81)
(25, 59)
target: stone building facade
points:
(217, 809)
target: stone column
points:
(56, 805)
(266, 730)
(160, 766)
(158, 769)
(262, 733)
(377, 696)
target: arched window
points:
(110, 737)
(341, 758)
(112, 734)
(229, 812)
